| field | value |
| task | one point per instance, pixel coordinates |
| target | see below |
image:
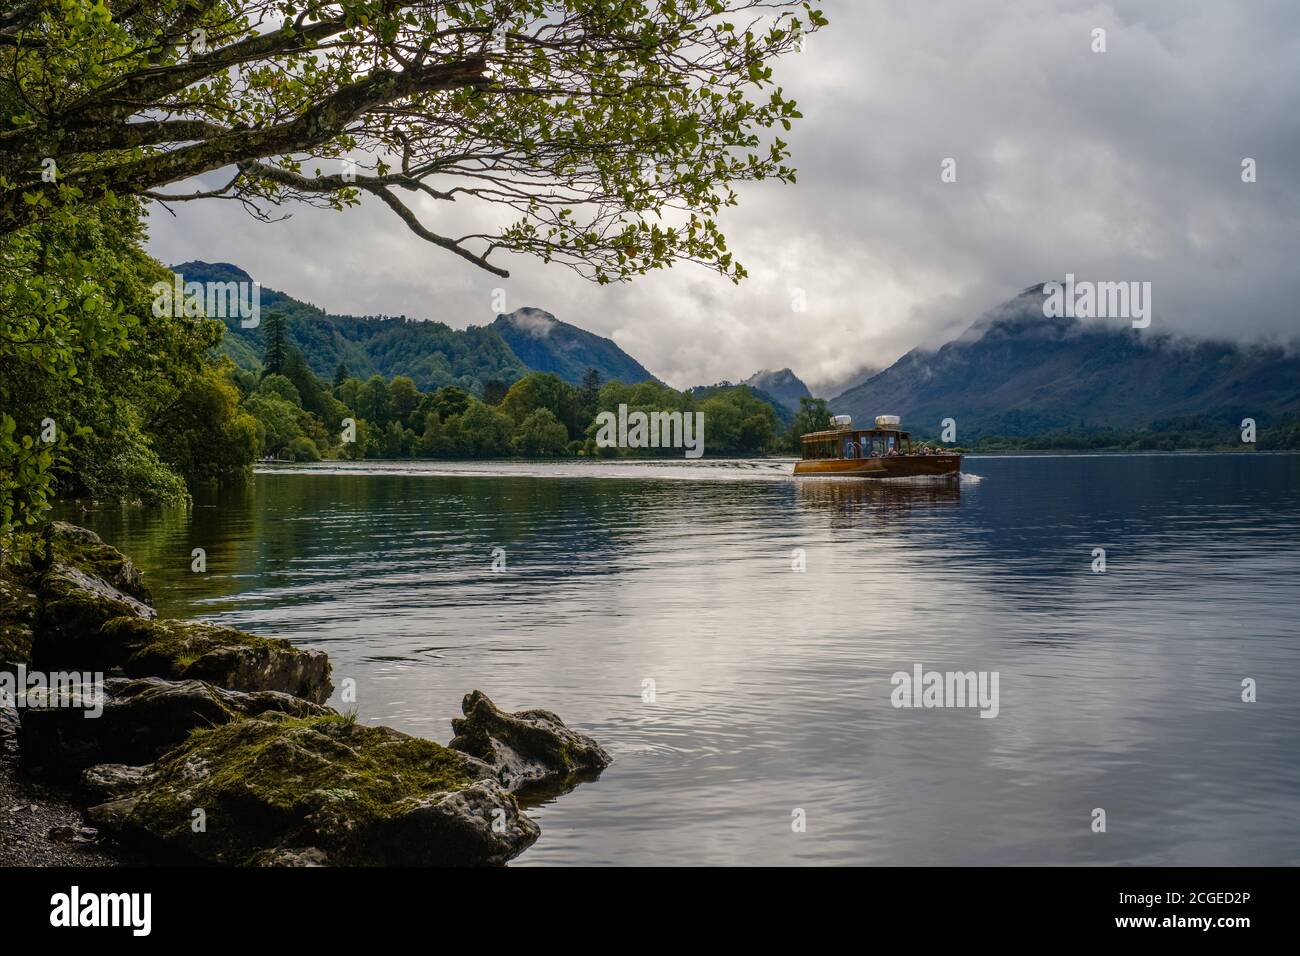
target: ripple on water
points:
(657, 606)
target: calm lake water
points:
(772, 688)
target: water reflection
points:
(772, 684)
(889, 498)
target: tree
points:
(348, 392)
(277, 422)
(273, 354)
(541, 435)
(614, 132)
(397, 441)
(302, 448)
(433, 441)
(483, 432)
(279, 386)
(543, 390)
(813, 416)
(340, 374)
(403, 397)
(493, 391)
(372, 401)
(589, 391)
(313, 395)
(206, 435)
(91, 364)
(449, 402)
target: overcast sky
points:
(1123, 165)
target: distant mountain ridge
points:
(545, 344)
(432, 353)
(782, 385)
(1014, 373)
(838, 386)
(1017, 372)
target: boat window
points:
(822, 448)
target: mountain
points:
(546, 344)
(784, 414)
(782, 385)
(432, 353)
(844, 383)
(1016, 372)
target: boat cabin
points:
(857, 443)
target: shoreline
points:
(146, 726)
(41, 823)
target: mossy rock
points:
(81, 548)
(529, 750)
(137, 721)
(108, 781)
(194, 650)
(283, 791)
(17, 622)
(74, 606)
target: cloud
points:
(535, 322)
(1123, 165)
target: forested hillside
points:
(431, 354)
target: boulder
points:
(81, 548)
(8, 725)
(81, 584)
(528, 749)
(108, 781)
(140, 720)
(74, 606)
(185, 650)
(297, 856)
(17, 622)
(278, 790)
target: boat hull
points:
(901, 466)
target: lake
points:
(657, 607)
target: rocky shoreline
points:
(205, 744)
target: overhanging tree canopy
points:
(609, 132)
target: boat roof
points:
(837, 432)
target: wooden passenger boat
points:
(885, 451)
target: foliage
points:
(736, 422)
(543, 390)
(90, 364)
(277, 423)
(541, 436)
(206, 435)
(274, 351)
(813, 416)
(275, 385)
(303, 448)
(612, 133)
